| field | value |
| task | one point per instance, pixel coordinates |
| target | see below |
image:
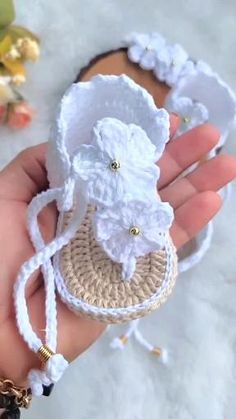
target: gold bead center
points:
(186, 119)
(173, 63)
(148, 48)
(115, 165)
(134, 231)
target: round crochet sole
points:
(90, 283)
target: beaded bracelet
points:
(13, 397)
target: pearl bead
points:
(186, 119)
(115, 165)
(134, 231)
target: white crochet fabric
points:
(113, 224)
(197, 94)
(100, 98)
(128, 148)
(194, 86)
(124, 138)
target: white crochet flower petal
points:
(144, 187)
(187, 69)
(169, 64)
(143, 245)
(178, 58)
(85, 103)
(106, 188)
(143, 49)
(141, 144)
(118, 247)
(129, 267)
(111, 138)
(148, 59)
(135, 53)
(105, 227)
(154, 40)
(126, 146)
(162, 217)
(88, 162)
(192, 113)
(162, 63)
(128, 236)
(141, 39)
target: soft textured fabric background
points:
(198, 322)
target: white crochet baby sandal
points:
(113, 258)
(120, 265)
(180, 84)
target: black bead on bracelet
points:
(11, 400)
(8, 403)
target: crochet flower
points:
(143, 49)
(192, 113)
(126, 232)
(169, 63)
(119, 164)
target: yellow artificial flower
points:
(13, 53)
(28, 48)
(18, 79)
(9, 61)
(6, 93)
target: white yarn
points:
(139, 337)
(133, 330)
(63, 194)
(209, 99)
(148, 346)
(64, 197)
(55, 368)
(36, 380)
(164, 357)
(35, 207)
(117, 343)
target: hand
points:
(194, 198)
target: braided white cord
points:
(29, 267)
(65, 201)
(56, 365)
(35, 207)
(117, 342)
(162, 353)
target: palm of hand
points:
(194, 198)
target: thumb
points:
(25, 176)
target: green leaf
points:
(5, 45)
(7, 13)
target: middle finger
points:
(186, 150)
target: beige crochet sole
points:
(95, 281)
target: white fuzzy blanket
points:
(198, 322)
